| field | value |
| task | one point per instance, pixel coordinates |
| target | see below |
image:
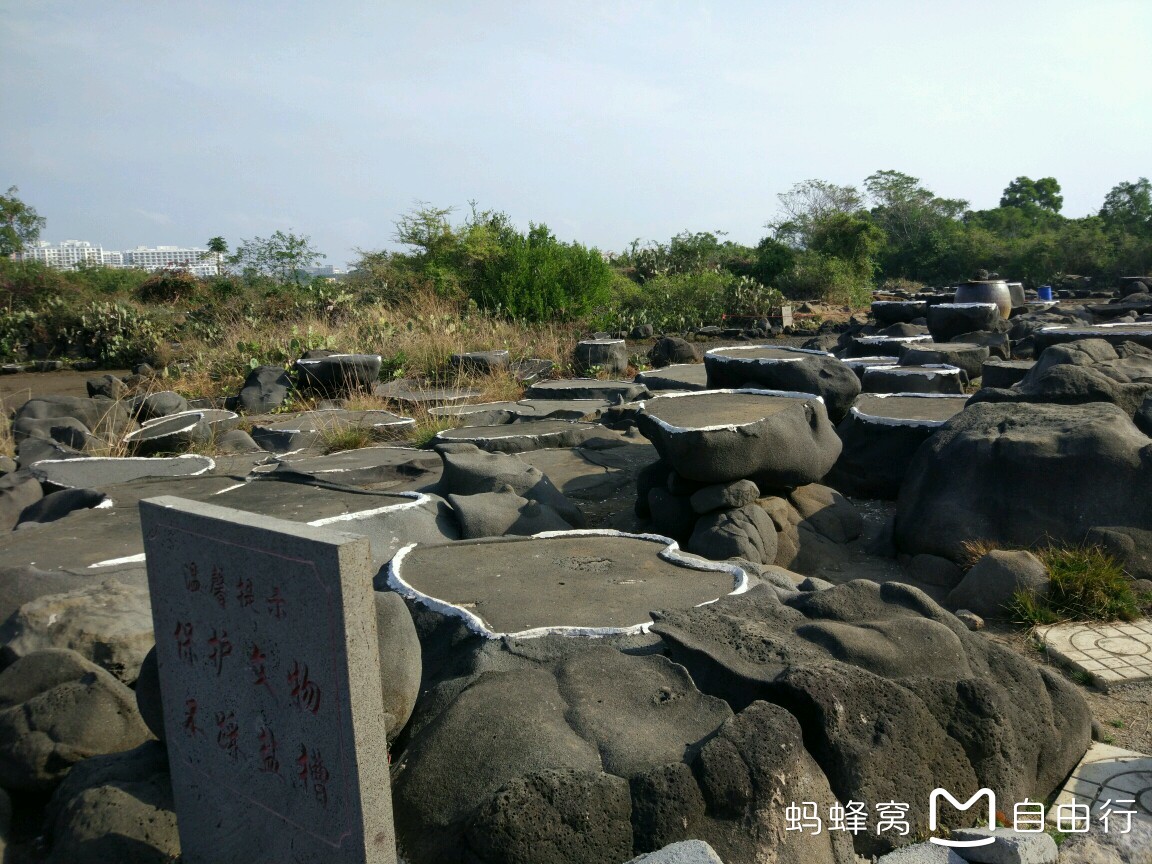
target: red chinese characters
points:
(305, 693)
(183, 636)
(221, 648)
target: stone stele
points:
(270, 682)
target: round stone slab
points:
(573, 583)
(523, 437)
(885, 346)
(682, 376)
(96, 472)
(938, 378)
(908, 409)
(613, 392)
(860, 365)
(797, 370)
(219, 419)
(410, 392)
(898, 311)
(778, 439)
(498, 413)
(169, 434)
(1005, 373)
(881, 434)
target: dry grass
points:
(976, 549)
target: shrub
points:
(168, 285)
(1087, 584)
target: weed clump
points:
(1087, 584)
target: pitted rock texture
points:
(57, 709)
(894, 694)
(1020, 474)
(589, 754)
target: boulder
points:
(57, 709)
(788, 369)
(967, 357)
(746, 532)
(495, 514)
(117, 807)
(989, 587)
(106, 386)
(1075, 373)
(828, 512)
(880, 437)
(895, 696)
(468, 470)
(722, 496)
(940, 378)
(1031, 475)
(714, 436)
(948, 320)
(264, 390)
(998, 344)
(339, 373)
(17, 492)
(59, 504)
(400, 665)
(104, 418)
(934, 570)
(480, 362)
(159, 404)
(555, 816)
(607, 355)
(671, 350)
(169, 435)
(109, 624)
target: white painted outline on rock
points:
(725, 353)
(880, 420)
(670, 553)
(730, 427)
(87, 460)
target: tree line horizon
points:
(827, 241)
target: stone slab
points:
(498, 413)
(270, 680)
(412, 393)
(908, 409)
(1113, 333)
(682, 376)
(1112, 654)
(97, 471)
(307, 428)
(582, 583)
(377, 468)
(523, 437)
(613, 392)
(1109, 774)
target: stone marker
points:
(269, 675)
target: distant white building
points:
(197, 261)
(70, 253)
(65, 255)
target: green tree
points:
(281, 257)
(1031, 195)
(19, 224)
(804, 206)
(922, 229)
(1128, 206)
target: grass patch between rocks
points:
(1087, 584)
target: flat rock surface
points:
(577, 580)
(712, 410)
(1116, 653)
(614, 392)
(376, 468)
(98, 471)
(412, 393)
(334, 418)
(497, 413)
(682, 376)
(765, 353)
(521, 437)
(900, 406)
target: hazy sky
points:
(128, 123)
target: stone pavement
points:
(1117, 653)
(1110, 774)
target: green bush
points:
(680, 301)
(1087, 584)
(168, 285)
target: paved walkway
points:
(1106, 776)
(1119, 653)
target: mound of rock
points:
(1020, 474)
(1088, 370)
(791, 369)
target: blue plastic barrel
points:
(1044, 292)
